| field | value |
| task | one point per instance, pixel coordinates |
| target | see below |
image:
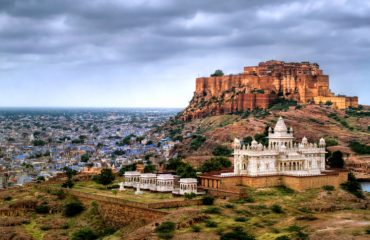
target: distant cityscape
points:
(40, 142)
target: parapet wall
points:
(233, 184)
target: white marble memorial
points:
(165, 183)
(188, 185)
(281, 157)
(148, 181)
(132, 178)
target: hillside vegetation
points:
(338, 127)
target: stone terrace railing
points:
(155, 205)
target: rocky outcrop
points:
(257, 87)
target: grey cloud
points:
(124, 32)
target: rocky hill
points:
(199, 137)
(260, 86)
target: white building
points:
(188, 185)
(148, 181)
(132, 178)
(165, 183)
(281, 157)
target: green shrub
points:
(59, 193)
(240, 219)
(284, 237)
(215, 164)
(367, 231)
(285, 190)
(336, 160)
(42, 209)
(359, 147)
(221, 150)
(328, 188)
(277, 208)
(212, 210)
(229, 205)
(84, 234)
(114, 186)
(217, 73)
(105, 177)
(190, 195)
(237, 234)
(211, 224)
(45, 227)
(185, 170)
(294, 228)
(73, 208)
(208, 200)
(7, 198)
(353, 186)
(165, 230)
(196, 228)
(331, 142)
(197, 141)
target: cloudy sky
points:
(147, 53)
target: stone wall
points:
(232, 184)
(302, 183)
(118, 213)
(338, 101)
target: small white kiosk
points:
(188, 185)
(148, 181)
(165, 182)
(132, 178)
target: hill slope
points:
(312, 121)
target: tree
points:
(197, 141)
(174, 163)
(84, 234)
(150, 168)
(85, 157)
(336, 160)
(73, 208)
(124, 169)
(218, 73)
(215, 164)
(261, 138)
(185, 170)
(40, 179)
(247, 140)
(220, 150)
(353, 186)
(359, 147)
(70, 173)
(105, 177)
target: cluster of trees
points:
(105, 177)
(197, 141)
(70, 174)
(353, 186)
(221, 150)
(215, 164)
(127, 168)
(127, 140)
(359, 147)
(335, 159)
(218, 73)
(38, 142)
(259, 137)
(85, 157)
(184, 170)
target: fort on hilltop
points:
(259, 86)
